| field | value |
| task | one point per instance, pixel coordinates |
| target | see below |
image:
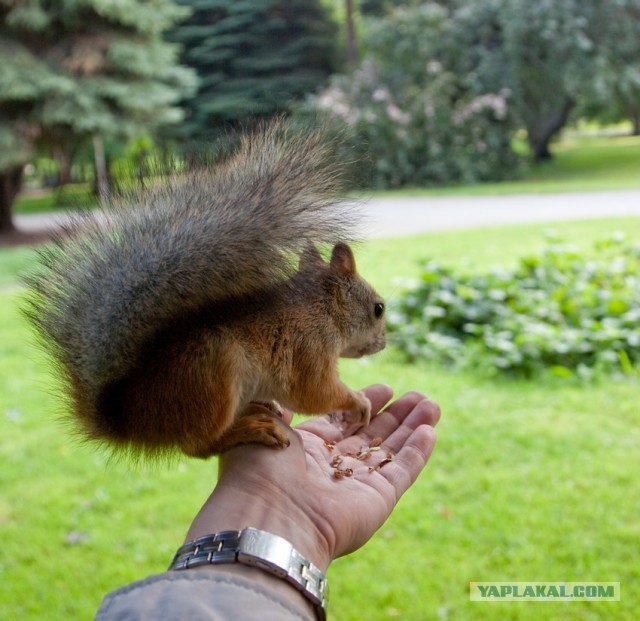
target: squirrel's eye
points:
(378, 309)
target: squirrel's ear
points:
(310, 259)
(342, 260)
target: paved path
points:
(404, 216)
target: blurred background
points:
(432, 94)
(503, 134)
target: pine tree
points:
(72, 70)
(253, 57)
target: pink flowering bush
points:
(419, 108)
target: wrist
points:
(234, 507)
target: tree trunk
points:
(540, 137)
(634, 113)
(10, 184)
(64, 159)
(102, 178)
(352, 50)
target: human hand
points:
(296, 493)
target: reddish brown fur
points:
(196, 387)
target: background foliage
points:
(446, 88)
(253, 58)
(73, 69)
(563, 310)
(433, 122)
(446, 91)
(71, 72)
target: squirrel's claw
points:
(360, 412)
(255, 424)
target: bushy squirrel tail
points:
(115, 278)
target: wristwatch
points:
(257, 548)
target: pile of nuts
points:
(363, 454)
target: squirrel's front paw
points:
(360, 412)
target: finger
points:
(425, 412)
(405, 467)
(287, 416)
(411, 410)
(379, 395)
(404, 407)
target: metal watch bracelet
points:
(257, 548)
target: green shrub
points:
(560, 310)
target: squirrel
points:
(186, 318)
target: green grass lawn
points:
(530, 481)
(14, 263)
(68, 197)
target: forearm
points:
(225, 590)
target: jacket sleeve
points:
(197, 596)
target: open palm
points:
(356, 479)
(334, 486)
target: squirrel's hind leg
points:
(258, 423)
(225, 421)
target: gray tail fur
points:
(115, 278)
